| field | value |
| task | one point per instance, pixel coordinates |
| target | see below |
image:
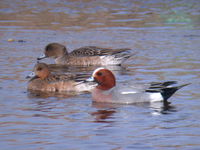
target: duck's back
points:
(92, 55)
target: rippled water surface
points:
(166, 38)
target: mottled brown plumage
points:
(43, 80)
(85, 56)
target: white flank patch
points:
(155, 97)
(131, 92)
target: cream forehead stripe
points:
(97, 70)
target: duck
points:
(43, 80)
(86, 56)
(108, 92)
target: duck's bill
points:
(30, 75)
(41, 57)
(91, 79)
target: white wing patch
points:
(155, 97)
(128, 92)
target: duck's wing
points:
(158, 86)
(153, 87)
(66, 77)
(132, 88)
(97, 51)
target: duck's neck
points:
(65, 52)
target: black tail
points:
(169, 91)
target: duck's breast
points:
(99, 95)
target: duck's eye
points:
(40, 68)
(99, 73)
(48, 49)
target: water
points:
(165, 35)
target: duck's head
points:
(104, 78)
(40, 70)
(53, 50)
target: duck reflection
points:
(107, 110)
(102, 115)
(162, 108)
(34, 94)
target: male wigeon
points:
(108, 91)
(42, 79)
(86, 56)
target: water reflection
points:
(164, 107)
(107, 110)
(102, 115)
(45, 101)
(33, 94)
(78, 15)
(166, 33)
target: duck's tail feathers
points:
(169, 91)
(120, 50)
(123, 55)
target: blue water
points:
(165, 36)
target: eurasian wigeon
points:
(42, 79)
(86, 56)
(108, 91)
